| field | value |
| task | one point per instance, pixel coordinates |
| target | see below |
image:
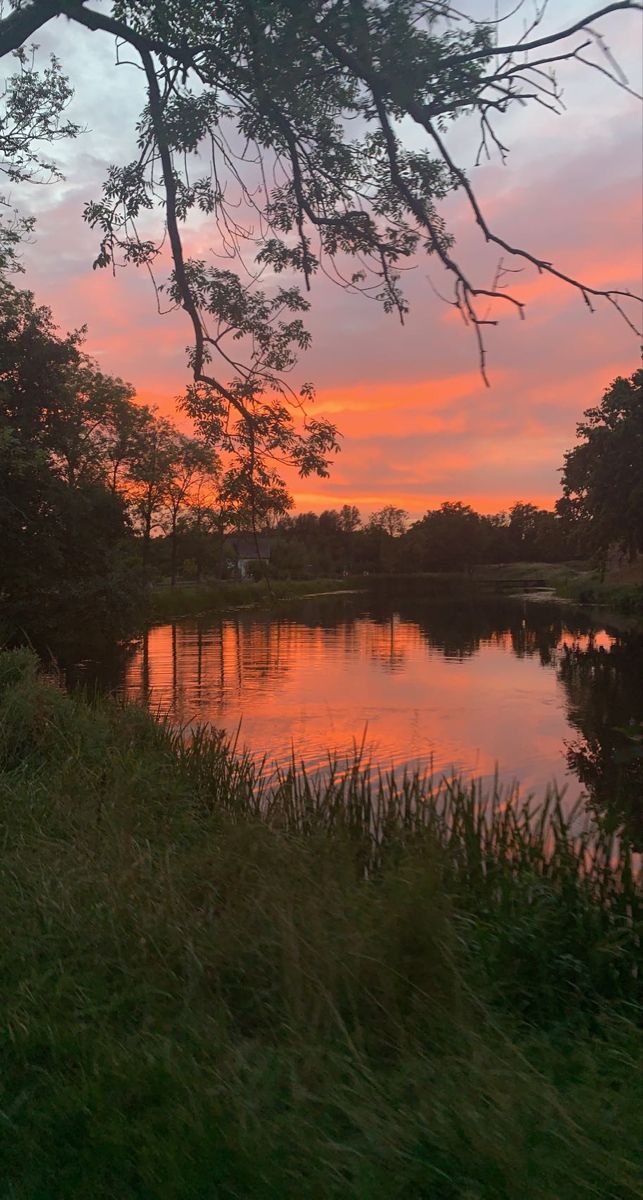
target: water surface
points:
(464, 684)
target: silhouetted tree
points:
(122, 436)
(453, 536)
(602, 476)
(64, 534)
(36, 366)
(194, 465)
(390, 520)
(150, 475)
(383, 527)
(32, 115)
(349, 518)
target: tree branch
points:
(23, 22)
(182, 283)
(77, 11)
(548, 40)
(541, 264)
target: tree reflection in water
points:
(417, 658)
(603, 688)
(602, 677)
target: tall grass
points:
(217, 984)
(556, 898)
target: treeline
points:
(99, 495)
(451, 537)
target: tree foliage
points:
(82, 468)
(452, 536)
(282, 122)
(390, 520)
(602, 475)
(32, 120)
(62, 529)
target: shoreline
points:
(221, 596)
(621, 606)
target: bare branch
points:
(182, 282)
(548, 40)
(541, 264)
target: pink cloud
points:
(419, 426)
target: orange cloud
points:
(418, 424)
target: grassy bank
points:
(547, 574)
(625, 598)
(575, 581)
(218, 989)
(572, 581)
(188, 599)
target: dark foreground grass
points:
(216, 988)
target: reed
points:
(219, 981)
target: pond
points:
(444, 683)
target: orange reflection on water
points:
(599, 639)
(316, 688)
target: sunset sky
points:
(418, 424)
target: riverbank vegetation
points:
(590, 588)
(167, 603)
(215, 986)
(574, 581)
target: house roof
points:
(245, 546)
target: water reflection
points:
(603, 685)
(459, 684)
